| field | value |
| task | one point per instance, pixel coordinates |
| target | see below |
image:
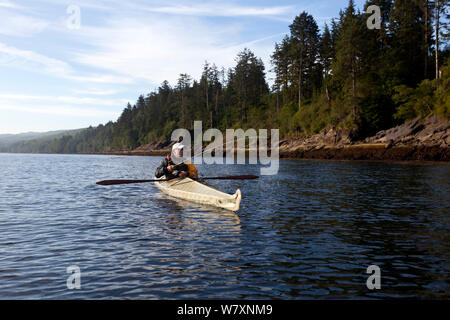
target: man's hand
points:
(170, 168)
(183, 174)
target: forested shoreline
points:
(345, 76)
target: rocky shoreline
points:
(419, 139)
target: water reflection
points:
(185, 213)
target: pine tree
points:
(326, 58)
(281, 62)
(440, 7)
(348, 55)
(216, 87)
(407, 29)
(305, 47)
(248, 81)
(183, 83)
(206, 85)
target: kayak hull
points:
(194, 191)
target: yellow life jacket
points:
(193, 173)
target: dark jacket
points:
(162, 169)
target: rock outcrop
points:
(431, 131)
(156, 148)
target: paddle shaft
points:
(114, 182)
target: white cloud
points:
(8, 4)
(208, 8)
(14, 24)
(101, 78)
(62, 110)
(84, 4)
(160, 48)
(226, 10)
(30, 60)
(64, 99)
(95, 92)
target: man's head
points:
(177, 150)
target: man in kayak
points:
(171, 170)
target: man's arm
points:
(162, 169)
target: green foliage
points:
(416, 102)
(441, 95)
(288, 123)
(314, 116)
(428, 97)
(407, 29)
(376, 108)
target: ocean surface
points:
(309, 232)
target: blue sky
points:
(55, 75)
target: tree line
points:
(346, 75)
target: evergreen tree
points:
(407, 30)
(348, 56)
(326, 58)
(305, 48)
(183, 84)
(248, 81)
(281, 61)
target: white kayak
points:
(194, 191)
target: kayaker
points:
(169, 167)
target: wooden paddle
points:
(112, 182)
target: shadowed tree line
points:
(345, 76)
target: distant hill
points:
(6, 139)
(32, 141)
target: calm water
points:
(309, 232)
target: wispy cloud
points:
(154, 50)
(19, 25)
(102, 5)
(221, 9)
(78, 107)
(208, 8)
(30, 60)
(8, 4)
(95, 92)
(64, 99)
(160, 48)
(101, 78)
(62, 110)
